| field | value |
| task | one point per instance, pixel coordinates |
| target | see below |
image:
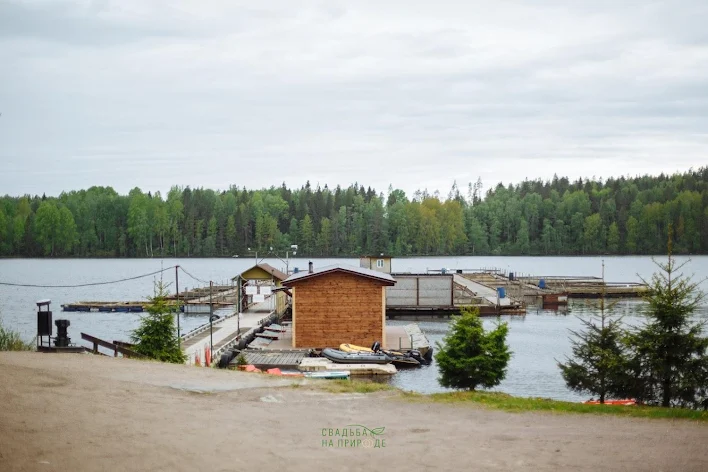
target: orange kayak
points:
(625, 402)
(277, 371)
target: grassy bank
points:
(348, 386)
(505, 402)
(11, 340)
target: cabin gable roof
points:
(383, 278)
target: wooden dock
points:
(438, 312)
(282, 359)
(319, 364)
(195, 301)
(225, 332)
(479, 289)
(518, 287)
(202, 293)
(105, 307)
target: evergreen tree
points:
(156, 337)
(470, 357)
(5, 245)
(533, 217)
(669, 354)
(66, 231)
(599, 360)
(307, 237)
(522, 239)
(613, 239)
(476, 236)
(46, 227)
(632, 235)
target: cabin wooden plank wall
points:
(337, 308)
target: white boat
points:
(329, 374)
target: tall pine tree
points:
(669, 359)
(156, 337)
(598, 363)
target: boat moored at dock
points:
(332, 374)
(341, 357)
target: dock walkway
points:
(224, 330)
(488, 293)
(215, 296)
(282, 359)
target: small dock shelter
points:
(380, 263)
(259, 283)
(338, 304)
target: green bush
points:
(241, 360)
(470, 357)
(11, 340)
(156, 337)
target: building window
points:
(379, 263)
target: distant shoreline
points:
(247, 257)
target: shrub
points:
(156, 337)
(470, 357)
(12, 341)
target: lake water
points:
(537, 339)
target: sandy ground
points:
(90, 413)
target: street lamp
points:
(256, 252)
(293, 249)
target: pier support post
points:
(211, 319)
(179, 335)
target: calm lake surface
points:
(537, 339)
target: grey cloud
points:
(71, 23)
(415, 94)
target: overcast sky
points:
(411, 93)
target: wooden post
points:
(179, 336)
(211, 319)
(238, 307)
(417, 291)
(452, 294)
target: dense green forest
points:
(616, 216)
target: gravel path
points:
(91, 413)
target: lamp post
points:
(293, 249)
(211, 321)
(239, 306)
(256, 253)
(179, 334)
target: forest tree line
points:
(557, 217)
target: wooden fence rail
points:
(116, 348)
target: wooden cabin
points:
(381, 263)
(338, 304)
(262, 275)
